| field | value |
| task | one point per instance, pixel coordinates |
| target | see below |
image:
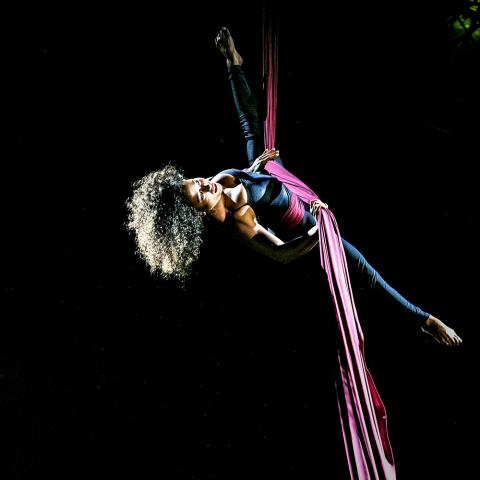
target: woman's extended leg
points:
(245, 101)
(428, 323)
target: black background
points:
(106, 370)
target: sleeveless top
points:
(270, 200)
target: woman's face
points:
(202, 193)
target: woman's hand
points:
(266, 156)
(316, 205)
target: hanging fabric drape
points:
(362, 413)
(270, 74)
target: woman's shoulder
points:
(229, 172)
(242, 220)
(226, 177)
(246, 175)
(234, 172)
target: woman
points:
(167, 210)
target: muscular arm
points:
(284, 252)
(255, 236)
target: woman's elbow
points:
(284, 259)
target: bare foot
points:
(440, 332)
(224, 42)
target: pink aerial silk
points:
(294, 214)
(270, 73)
(362, 413)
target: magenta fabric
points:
(270, 73)
(362, 413)
(294, 214)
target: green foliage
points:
(465, 25)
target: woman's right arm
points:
(284, 252)
(255, 236)
(260, 161)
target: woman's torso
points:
(269, 199)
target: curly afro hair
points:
(168, 230)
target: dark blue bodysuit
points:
(270, 198)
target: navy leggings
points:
(246, 105)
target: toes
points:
(444, 341)
(455, 339)
(448, 338)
